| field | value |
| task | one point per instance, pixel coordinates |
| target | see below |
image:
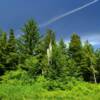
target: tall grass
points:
(80, 91)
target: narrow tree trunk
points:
(94, 73)
(94, 78)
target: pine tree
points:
(49, 37)
(63, 47)
(75, 50)
(11, 52)
(58, 65)
(89, 63)
(3, 46)
(31, 36)
(68, 65)
(44, 49)
(11, 41)
(97, 53)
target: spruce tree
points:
(11, 41)
(45, 45)
(75, 51)
(11, 52)
(63, 46)
(3, 46)
(97, 53)
(31, 36)
(89, 63)
(75, 47)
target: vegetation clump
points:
(34, 66)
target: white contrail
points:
(66, 14)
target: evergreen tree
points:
(75, 48)
(42, 49)
(49, 37)
(11, 52)
(63, 47)
(31, 36)
(11, 41)
(97, 53)
(68, 64)
(44, 56)
(58, 65)
(75, 51)
(89, 63)
(3, 46)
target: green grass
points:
(81, 91)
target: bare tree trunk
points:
(94, 78)
(94, 73)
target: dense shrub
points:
(16, 77)
(78, 91)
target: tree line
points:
(44, 55)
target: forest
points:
(39, 67)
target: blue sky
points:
(86, 22)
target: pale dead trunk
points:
(94, 78)
(49, 53)
(94, 74)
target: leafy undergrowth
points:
(36, 91)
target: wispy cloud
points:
(66, 14)
(93, 39)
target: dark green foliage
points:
(31, 36)
(11, 52)
(41, 51)
(76, 52)
(97, 53)
(31, 66)
(3, 46)
(89, 62)
(52, 65)
(63, 48)
(50, 36)
(75, 48)
(11, 42)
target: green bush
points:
(36, 91)
(16, 77)
(31, 66)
